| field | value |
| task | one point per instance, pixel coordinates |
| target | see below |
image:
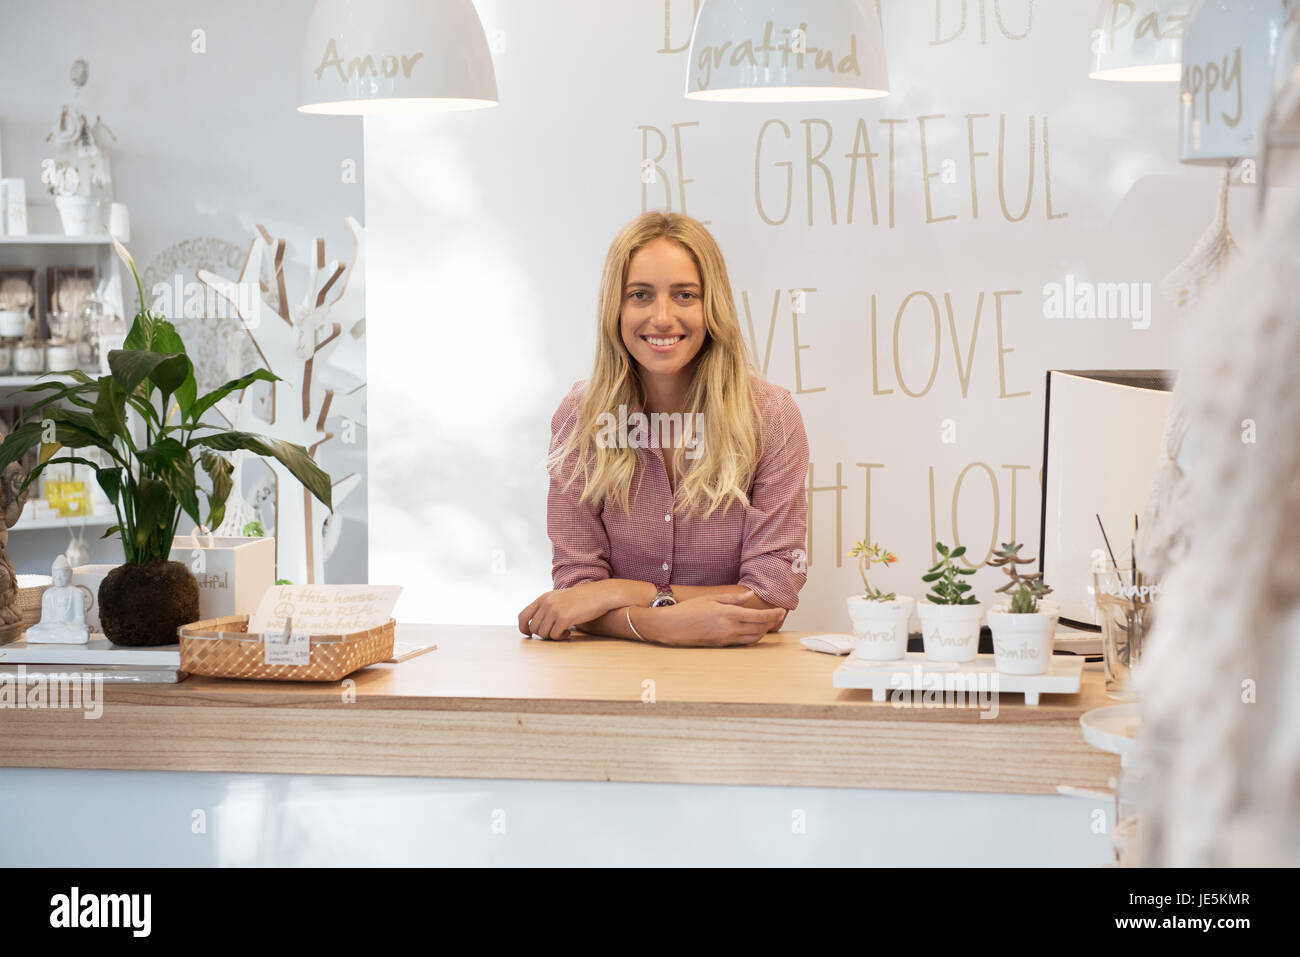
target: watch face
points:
(661, 600)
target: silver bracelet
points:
(632, 626)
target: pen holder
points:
(1126, 606)
(223, 648)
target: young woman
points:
(690, 531)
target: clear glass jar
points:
(60, 323)
(91, 327)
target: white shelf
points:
(56, 239)
(38, 524)
(22, 381)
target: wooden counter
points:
(489, 703)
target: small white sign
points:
(294, 649)
(324, 609)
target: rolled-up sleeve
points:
(773, 562)
(579, 541)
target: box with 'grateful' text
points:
(233, 573)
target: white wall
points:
(208, 145)
(489, 230)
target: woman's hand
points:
(714, 622)
(555, 612)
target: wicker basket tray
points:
(28, 603)
(223, 648)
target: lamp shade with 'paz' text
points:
(1139, 40)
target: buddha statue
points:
(63, 610)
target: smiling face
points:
(662, 319)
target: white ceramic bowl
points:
(13, 323)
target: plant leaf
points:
(131, 367)
(221, 472)
(171, 464)
(234, 385)
(155, 511)
(293, 457)
(19, 442)
(167, 341)
(141, 335)
(38, 469)
(110, 480)
(109, 413)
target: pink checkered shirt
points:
(760, 546)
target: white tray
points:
(916, 672)
(98, 651)
(1112, 728)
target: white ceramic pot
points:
(60, 356)
(950, 632)
(77, 213)
(29, 357)
(1023, 644)
(13, 323)
(880, 627)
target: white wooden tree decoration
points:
(294, 342)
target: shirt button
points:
(665, 566)
(668, 518)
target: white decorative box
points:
(91, 576)
(233, 573)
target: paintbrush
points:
(1133, 552)
(1106, 539)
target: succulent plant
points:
(868, 555)
(1025, 590)
(947, 588)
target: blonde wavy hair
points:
(721, 389)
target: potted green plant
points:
(1023, 625)
(950, 615)
(879, 618)
(152, 465)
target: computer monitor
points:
(1101, 446)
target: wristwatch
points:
(664, 597)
